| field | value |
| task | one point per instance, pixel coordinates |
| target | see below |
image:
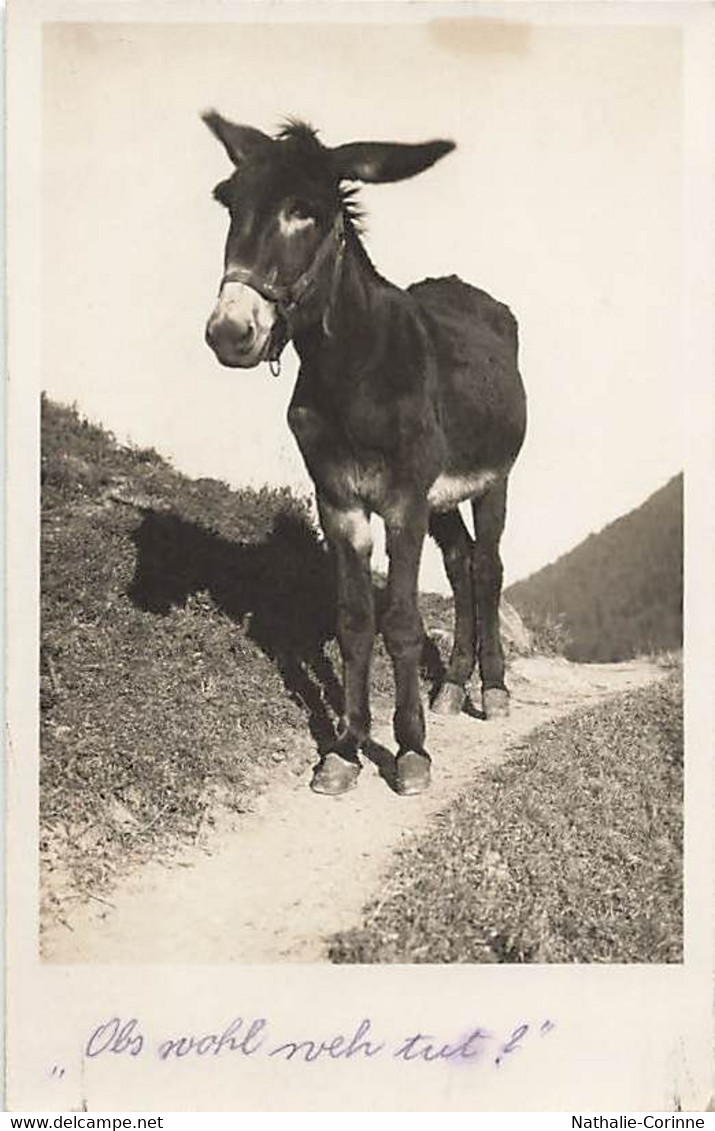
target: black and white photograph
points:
(363, 408)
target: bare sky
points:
(562, 199)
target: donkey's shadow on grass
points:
(280, 590)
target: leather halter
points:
(288, 297)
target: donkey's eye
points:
(296, 217)
(301, 210)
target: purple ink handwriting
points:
(247, 1037)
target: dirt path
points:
(277, 886)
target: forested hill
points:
(620, 592)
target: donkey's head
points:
(286, 240)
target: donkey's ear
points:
(380, 161)
(240, 142)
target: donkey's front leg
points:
(404, 636)
(348, 532)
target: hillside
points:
(185, 646)
(620, 592)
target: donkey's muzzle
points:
(234, 344)
(240, 325)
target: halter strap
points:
(288, 297)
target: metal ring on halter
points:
(274, 364)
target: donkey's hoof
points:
(412, 774)
(495, 702)
(334, 775)
(449, 700)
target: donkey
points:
(406, 404)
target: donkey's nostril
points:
(225, 336)
(243, 336)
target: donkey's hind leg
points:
(452, 537)
(489, 516)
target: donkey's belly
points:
(367, 480)
(448, 491)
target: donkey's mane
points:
(295, 129)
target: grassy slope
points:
(171, 668)
(620, 592)
(570, 852)
(187, 648)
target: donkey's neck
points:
(360, 315)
